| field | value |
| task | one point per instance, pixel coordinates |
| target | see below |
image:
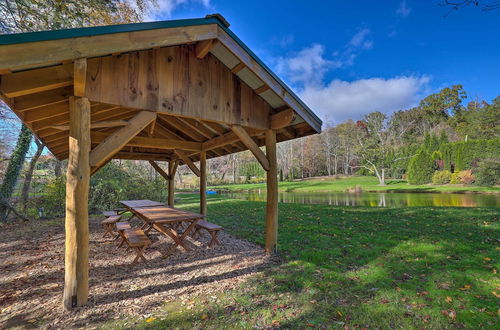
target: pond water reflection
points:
(376, 199)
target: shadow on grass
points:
(358, 267)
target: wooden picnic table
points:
(167, 220)
(137, 203)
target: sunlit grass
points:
(367, 183)
(356, 267)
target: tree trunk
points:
(15, 165)
(57, 168)
(29, 174)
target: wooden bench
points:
(109, 213)
(138, 241)
(109, 224)
(211, 228)
(120, 228)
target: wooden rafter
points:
(250, 144)
(159, 170)
(36, 81)
(188, 162)
(204, 47)
(156, 143)
(113, 143)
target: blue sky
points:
(348, 58)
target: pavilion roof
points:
(198, 77)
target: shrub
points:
(488, 173)
(420, 168)
(465, 177)
(441, 177)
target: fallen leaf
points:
(465, 287)
(487, 259)
(150, 319)
(448, 299)
(204, 317)
(496, 294)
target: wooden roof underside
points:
(204, 78)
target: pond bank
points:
(367, 184)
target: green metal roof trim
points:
(18, 38)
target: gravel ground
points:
(32, 275)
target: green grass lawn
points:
(355, 267)
(368, 183)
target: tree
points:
(13, 169)
(485, 5)
(35, 15)
(420, 168)
(29, 173)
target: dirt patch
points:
(32, 275)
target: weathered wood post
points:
(76, 286)
(272, 193)
(171, 188)
(203, 182)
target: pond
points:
(380, 199)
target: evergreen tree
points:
(13, 169)
(420, 168)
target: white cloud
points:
(165, 8)
(307, 67)
(403, 10)
(361, 40)
(341, 100)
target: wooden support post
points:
(203, 183)
(76, 286)
(172, 167)
(272, 193)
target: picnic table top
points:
(165, 214)
(141, 203)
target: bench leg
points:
(214, 239)
(139, 254)
(109, 230)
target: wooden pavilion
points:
(179, 91)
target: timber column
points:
(203, 183)
(76, 281)
(172, 167)
(272, 193)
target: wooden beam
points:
(45, 112)
(159, 170)
(113, 143)
(251, 145)
(203, 183)
(204, 47)
(42, 99)
(56, 51)
(272, 193)
(157, 143)
(36, 81)
(80, 76)
(98, 124)
(262, 89)
(188, 162)
(76, 286)
(282, 119)
(240, 66)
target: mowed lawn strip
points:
(367, 183)
(355, 266)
